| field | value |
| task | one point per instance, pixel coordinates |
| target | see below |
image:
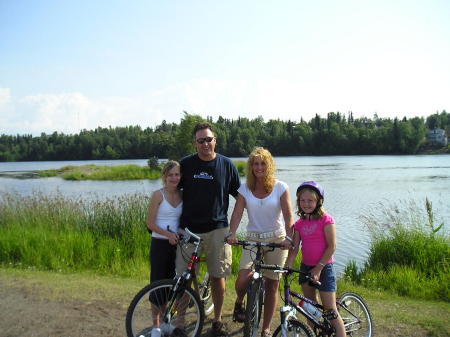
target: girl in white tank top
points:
(164, 213)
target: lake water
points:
(354, 186)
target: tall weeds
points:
(72, 234)
(410, 253)
(54, 232)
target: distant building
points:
(437, 137)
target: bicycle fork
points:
(286, 312)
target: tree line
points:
(337, 134)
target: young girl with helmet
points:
(316, 230)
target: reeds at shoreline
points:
(75, 234)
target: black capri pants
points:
(162, 259)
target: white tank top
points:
(264, 215)
(167, 216)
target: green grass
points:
(73, 234)
(119, 172)
(409, 255)
(57, 233)
(94, 172)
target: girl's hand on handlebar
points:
(315, 273)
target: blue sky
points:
(69, 65)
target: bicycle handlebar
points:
(288, 270)
(195, 236)
(190, 238)
(245, 243)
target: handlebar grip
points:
(198, 238)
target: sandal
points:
(266, 333)
(239, 313)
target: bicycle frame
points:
(255, 303)
(189, 274)
(178, 303)
(289, 309)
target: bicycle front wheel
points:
(205, 294)
(294, 329)
(355, 314)
(253, 308)
(157, 303)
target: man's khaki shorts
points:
(277, 256)
(217, 253)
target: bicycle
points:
(352, 308)
(256, 287)
(174, 302)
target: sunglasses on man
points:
(206, 139)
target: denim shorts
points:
(327, 277)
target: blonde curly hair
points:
(266, 157)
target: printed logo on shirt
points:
(203, 175)
(308, 230)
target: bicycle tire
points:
(253, 309)
(205, 294)
(295, 329)
(186, 310)
(350, 305)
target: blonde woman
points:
(269, 213)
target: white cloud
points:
(5, 97)
(269, 98)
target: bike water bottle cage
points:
(330, 314)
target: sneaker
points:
(156, 332)
(218, 330)
(167, 329)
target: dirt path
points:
(26, 313)
(26, 310)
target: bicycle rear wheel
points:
(355, 314)
(157, 301)
(295, 329)
(253, 309)
(205, 294)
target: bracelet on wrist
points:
(321, 264)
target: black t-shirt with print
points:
(206, 188)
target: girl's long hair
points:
(266, 157)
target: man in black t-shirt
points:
(208, 179)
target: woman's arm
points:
(286, 209)
(294, 251)
(153, 207)
(236, 217)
